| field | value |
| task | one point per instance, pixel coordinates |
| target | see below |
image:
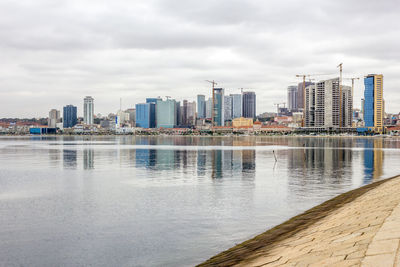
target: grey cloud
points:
(64, 50)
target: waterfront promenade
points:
(358, 228)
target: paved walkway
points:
(364, 232)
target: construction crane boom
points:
(352, 90)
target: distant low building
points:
(276, 128)
(394, 130)
(242, 122)
(283, 119)
(42, 130)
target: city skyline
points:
(170, 48)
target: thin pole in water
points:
(273, 151)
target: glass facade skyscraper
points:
(292, 98)
(201, 106)
(69, 116)
(369, 102)
(146, 115)
(249, 104)
(218, 107)
(166, 113)
(236, 105)
(227, 108)
(373, 102)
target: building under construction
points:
(326, 108)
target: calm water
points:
(166, 201)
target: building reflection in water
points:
(69, 158)
(373, 159)
(88, 159)
(201, 162)
(54, 157)
(319, 160)
(217, 163)
(329, 160)
(145, 157)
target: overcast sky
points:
(53, 53)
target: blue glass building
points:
(69, 116)
(369, 102)
(218, 107)
(152, 100)
(201, 106)
(236, 105)
(146, 115)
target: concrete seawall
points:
(357, 228)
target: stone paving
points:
(364, 232)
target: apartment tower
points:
(373, 102)
(88, 110)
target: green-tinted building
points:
(218, 109)
(166, 113)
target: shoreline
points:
(263, 245)
(211, 136)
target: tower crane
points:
(352, 88)
(352, 83)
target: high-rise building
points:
(373, 102)
(310, 106)
(178, 113)
(166, 113)
(228, 108)
(323, 104)
(292, 98)
(183, 113)
(201, 106)
(88, 110)
(249, 104)
(347, 107)
(69, 116)
(132, 116)
(218, 108)
(191, 113)
(237, 106)
(209, 108)
(54, 118)
(300, 95)
(146, 115)
(362, 109)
